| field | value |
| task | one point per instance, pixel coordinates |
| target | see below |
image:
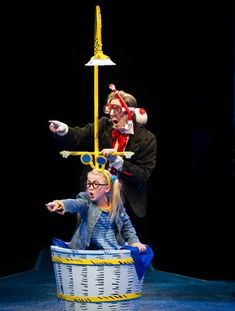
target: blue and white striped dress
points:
(103, 234)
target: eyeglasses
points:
(115, 108)
(95, 184)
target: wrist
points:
(60, 206)
(64, 132)
(118, 163)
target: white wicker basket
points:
(96, 280)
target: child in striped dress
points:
(104, 223)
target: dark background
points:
(176, 59)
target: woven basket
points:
(96, 280)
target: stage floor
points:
(35, 290)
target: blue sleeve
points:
(128, 232)
(78, 205)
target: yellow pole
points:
(96, 113)
(99, 59)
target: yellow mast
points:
(99, 59)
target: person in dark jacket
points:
(124, 130)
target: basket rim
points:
(58, 249)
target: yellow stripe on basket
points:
(120, 261)
(99, 298)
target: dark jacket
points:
(136, 170)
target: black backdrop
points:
(176, 59)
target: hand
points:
(58, 127)
(140, 246)
(115, 161)
(56, 206)
(108, 151)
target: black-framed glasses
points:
(95, 184)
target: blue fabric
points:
(60, 243)
(141, 260)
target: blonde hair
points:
(115, 190)
(128, 98)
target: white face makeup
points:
(118, 114)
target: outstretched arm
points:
(72, 206)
